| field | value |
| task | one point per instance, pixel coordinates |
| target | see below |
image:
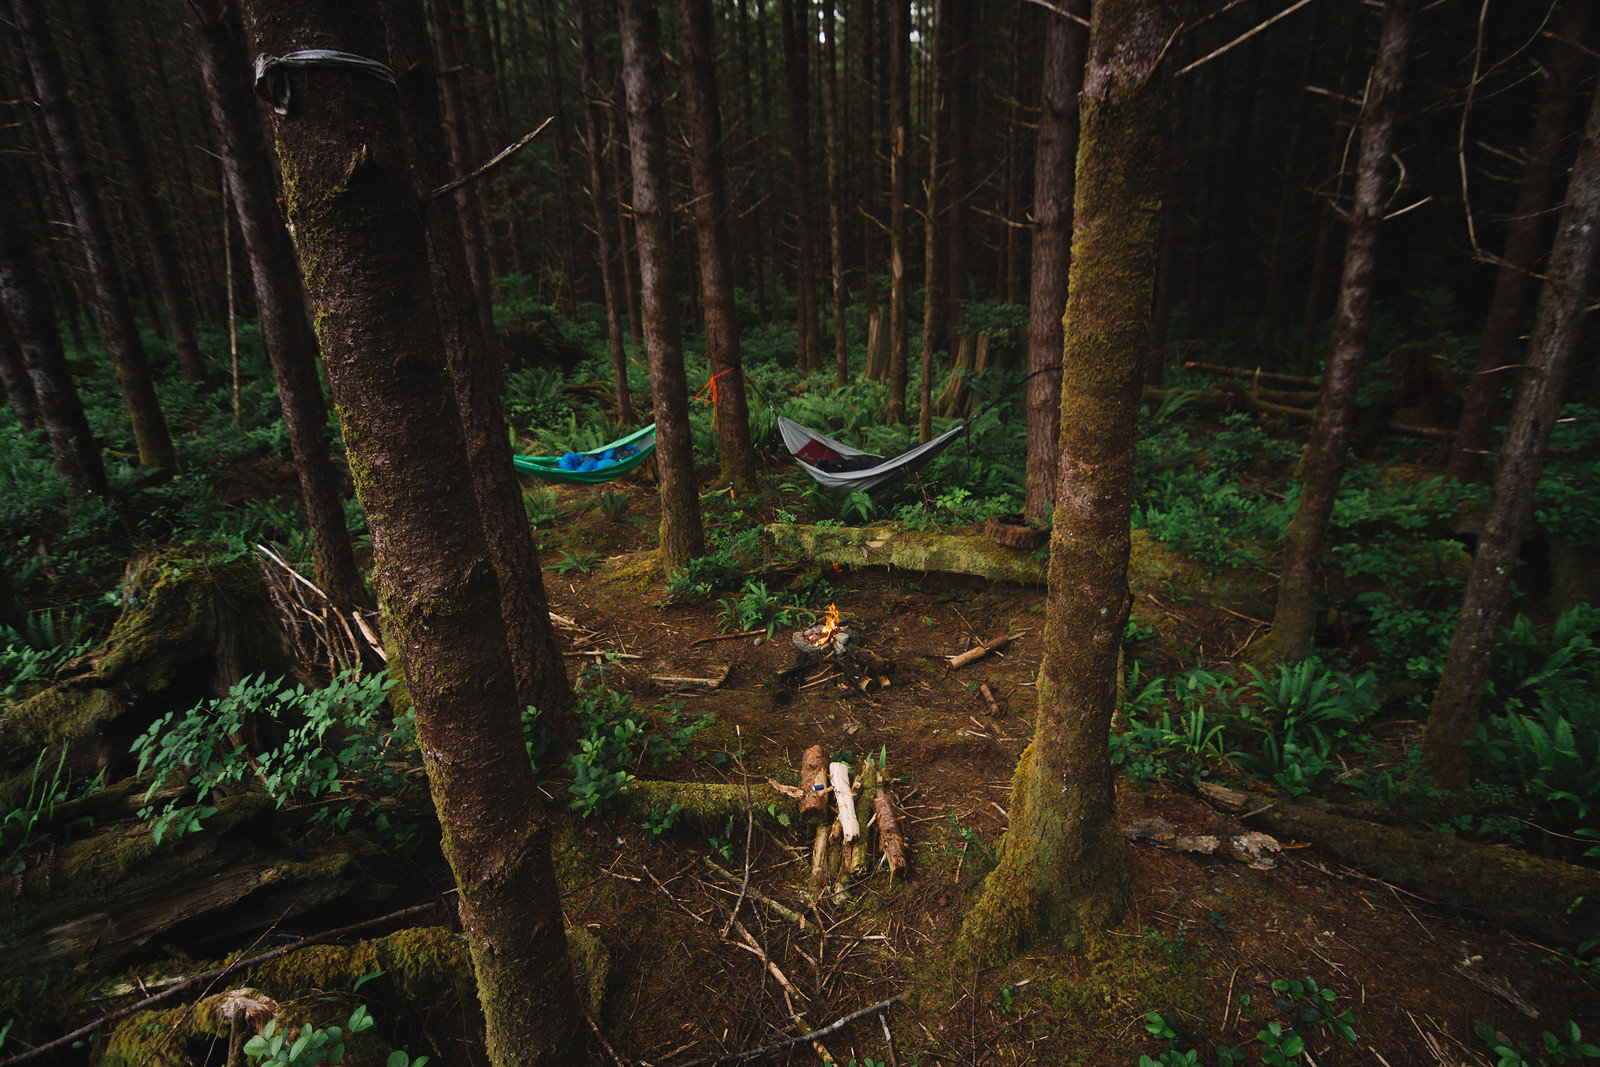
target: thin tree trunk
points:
(14, 377)
(117, 327)
(149, 214)
(1062, 873)
(841, 349)
(26, 304)
(959, 42)
(711, 232)
(280, 297)
(627, 243)
(899, 231)
(603, 198)
(1458, 702)
(682, 537)
(460, 129)
(357, 218)
(796, 17)
(1323, 461)
(1053, 182)
(933, 307)
(541, 678)
(1540, 172)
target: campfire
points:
(832, 651)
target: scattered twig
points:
(815, 1035)
(505, 154)
(726, 637)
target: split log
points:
(889, 839)
(1553, 901)
(839, 773)
(972, 655)
(814, 783)
(819, 859)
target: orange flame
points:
(830, 626)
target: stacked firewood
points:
(841, 849)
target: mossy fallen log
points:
(706, 806)
(102, 897)
(1547, 899)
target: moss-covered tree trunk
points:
(715, 243)
(1323, 461)
(1062, 870)
(535, 648)
(682, 537)
(118, 330)
(899, 234)
(280, 299)
(602, 196)
(1053, 179)
(359, 229)
(1453, 717)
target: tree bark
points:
(1323, 461)
(1053, 182)
(14, 377)
(1540, 172)
(1062, 872)
(117, 327)
(832, 118)
(933, 307)
(1453, 717)
(959, 40)
(796, 18)
(569, 236)
(358, 225)
(899, 234)
(280, 298)
(541, 677)
(711, 233)
(682, 536)
(603, 198)
(147, 208)
(26, 304)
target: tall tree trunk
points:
(841, 350)
(1541, 170)
(1062, 873)
(933, 307)
(460, 127)
(14, 378)
(959, 42)
(603, 198)
(280, 298)
(541, 677)
(1053, 181)
(627, 242)
(796, 17)
(682, 537)
(711, 232)
(899, 231)
(1453, 717)
(569, 236)
(150, 215)
(1323, 461)
(117, 327)
(357, 220)
(26, 304)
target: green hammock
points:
(643, 442)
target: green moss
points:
(419, 963)
(62, 713)
(591, 966)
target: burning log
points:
(839, 648)
(814, 783)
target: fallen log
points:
(705, 806)
(1254, 373)
(972, 655)
(889, 839)
(1545, 898)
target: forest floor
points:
(1202, 931)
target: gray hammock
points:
(838, 466)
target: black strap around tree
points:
(272, 82)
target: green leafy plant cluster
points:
(613, 741)
(27, 816)
(756, 607)
(1304, 1008)
(335, 738)
(314, 1045)
(47, 641)
(1568, 1047)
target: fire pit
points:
(832, 651)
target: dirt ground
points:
(1202, 931)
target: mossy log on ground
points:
(102, 897)
(706, 806)
(1550, 900)
(415, 968)
(1153, 568)
(195, 621)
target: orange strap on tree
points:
(711, 385)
